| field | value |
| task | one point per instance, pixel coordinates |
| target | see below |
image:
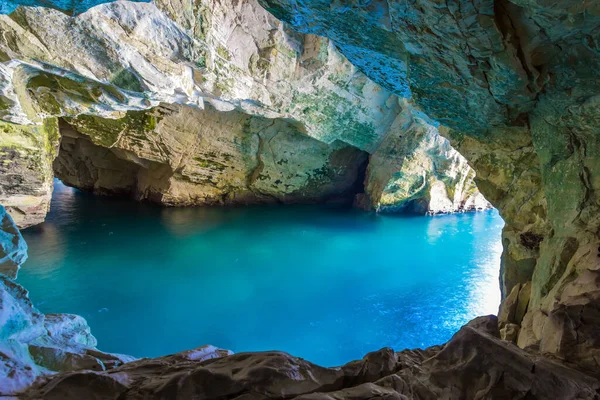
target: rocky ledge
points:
(474, 364)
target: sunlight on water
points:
(322, 283)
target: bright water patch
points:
(322, 283)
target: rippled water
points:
(322, 283)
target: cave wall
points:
(26, 176)
(416, 170)
(512, 83)
(229, 57)
(516, 84)
(179, 155)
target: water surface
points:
(323, 283)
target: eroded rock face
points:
(66, 6)
(26, 155)
(13, 249)
(180, 155)
(232, 58)
(415, 169)
(475, 363)
(517, 84)
(513, 83)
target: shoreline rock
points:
(475, 363)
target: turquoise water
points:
(322, 283)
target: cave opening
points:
(115, 255)
(512, 83)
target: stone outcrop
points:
(13, 249)
(33, 344)
(474, 364)
(26, 155)
(415, 169)
(180, 155)
(515, 85)
(232, 58)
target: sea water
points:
(325, 283)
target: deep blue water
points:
(322, 283)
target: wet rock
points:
(13, 249)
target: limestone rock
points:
(13, 249)
(230, 57)
(415, 169)
(510, 332)
(180, 155)
(522, 302)
(475, 363)
(513, 83)
(508, 308)
(8, 6)
(26, 155)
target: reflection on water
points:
(323, 283)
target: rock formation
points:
(180, 155)
(26, 156)
(513, 84)
(474, 364)
(229, 64)
(415, 169)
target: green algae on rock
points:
(180, 155)
(213, 57)
(26, 155)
